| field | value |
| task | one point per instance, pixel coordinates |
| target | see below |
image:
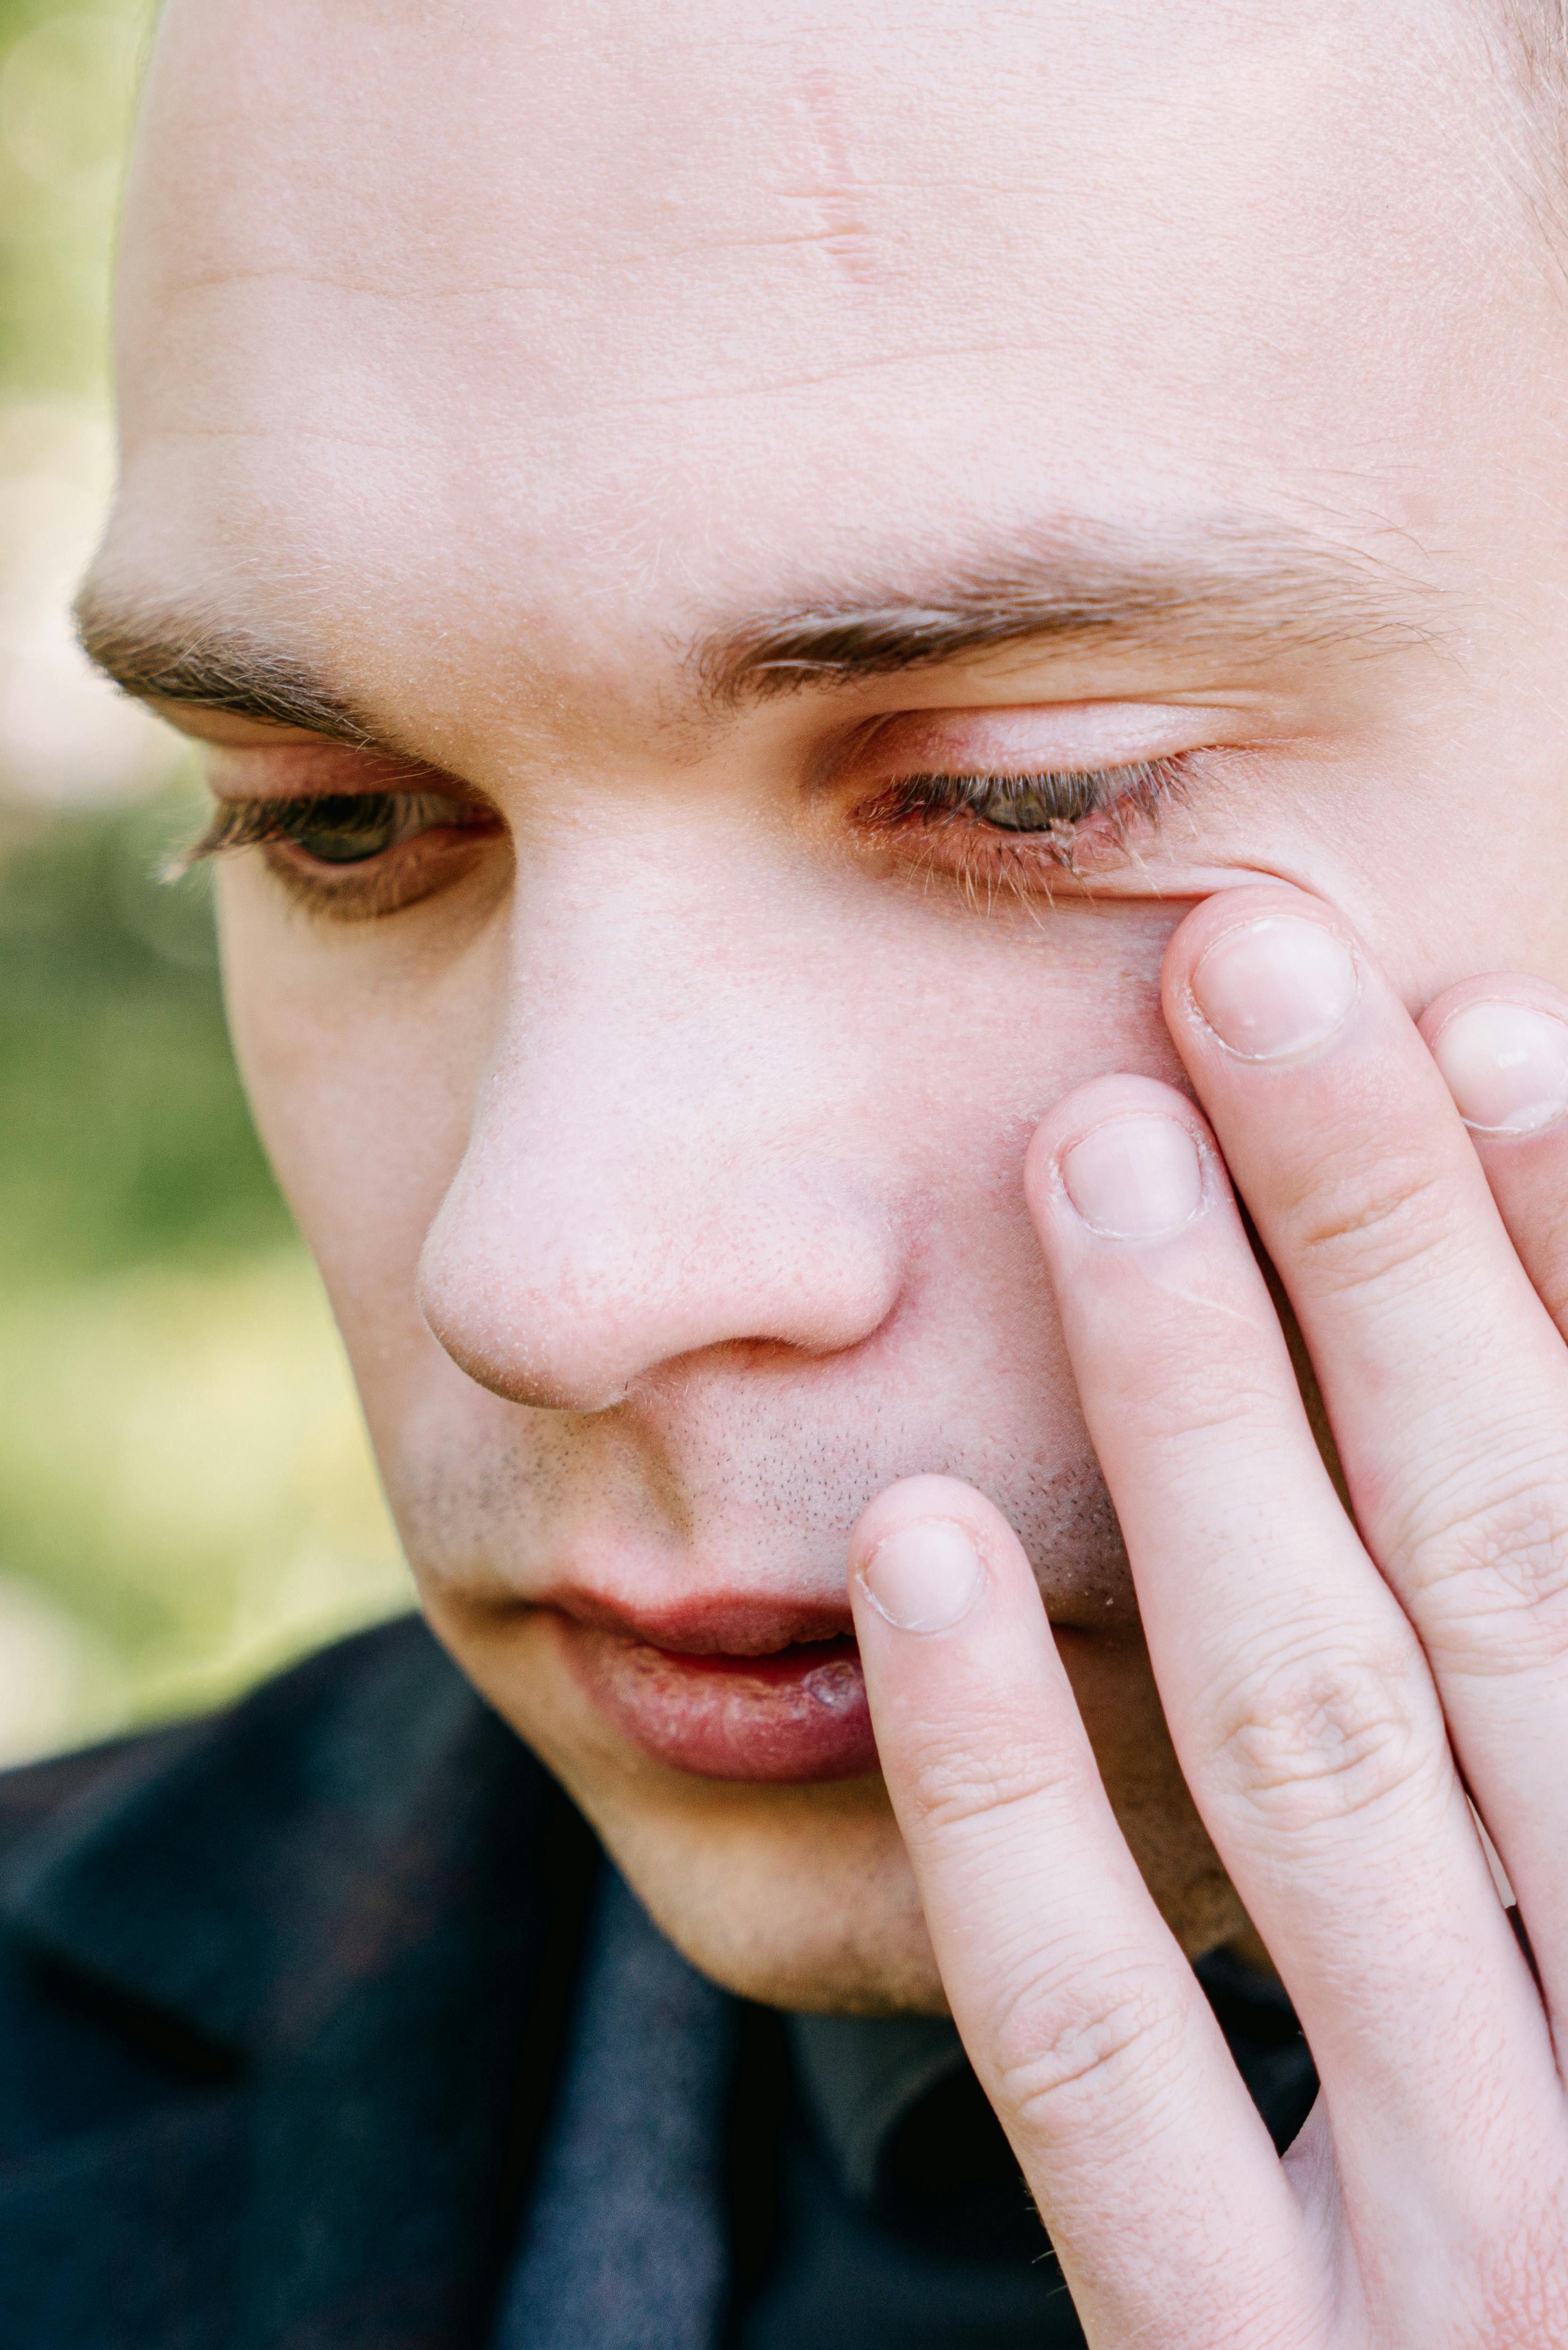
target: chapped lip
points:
(726, 1686)
(728, 1624)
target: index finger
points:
(1084, 2020)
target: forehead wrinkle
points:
(1256, 591)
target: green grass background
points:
(186, 1497)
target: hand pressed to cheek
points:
(1297, 1695)
(1444, 1379)
(1313, 1684)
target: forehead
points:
(631, 305)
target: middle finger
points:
(1444, 1380)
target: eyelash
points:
(1067, 817)
(367, 885)
(1063, 817)
(351, 815)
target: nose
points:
(666, 1156)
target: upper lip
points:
(732, 1624)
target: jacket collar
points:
(363, 1891)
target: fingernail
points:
(924, 1577)
(1137, 1179)
(1275, 987)
(1506, 1066)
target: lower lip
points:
(798, 1715)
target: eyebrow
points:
(1233, 591)
(1236, 592)
(170, 657)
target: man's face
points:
(675, 443)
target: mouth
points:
(729, 1693)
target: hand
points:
(1331, 1689)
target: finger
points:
(1084, 2023)
(1502, 1044)
(1300, 1704)
(1443, 1378)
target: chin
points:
(797, 1892)
(799, 1898)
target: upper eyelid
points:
(1001, 771)
(1038, 738)
(1024, 764)
(403, 783)
(354, 769)
(360, 767)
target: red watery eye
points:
(1073, 818)
(1046, 802)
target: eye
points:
(1073, 814)
(335, 828)
(1031, 803)
(348, 831)
(353, 854)
(1045, 801)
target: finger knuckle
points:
(1216, 1406)
(964, 1781)
(1305, 1741)
(1374, 1220)
(1491, 1581)
(1062, 2051)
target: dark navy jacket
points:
(279, 1997)
(283, 1997)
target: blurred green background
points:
(186, 1497)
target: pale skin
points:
(659, 1107)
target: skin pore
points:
(754, 415)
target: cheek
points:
(1078, 999)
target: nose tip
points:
(565, 1307)
(505, 1360)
